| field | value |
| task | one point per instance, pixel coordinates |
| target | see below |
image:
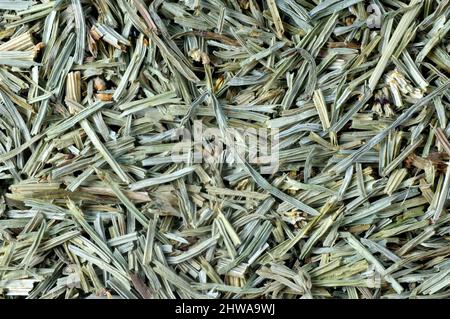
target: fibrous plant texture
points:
(224, 149)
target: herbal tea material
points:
(224, 149)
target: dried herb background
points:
(93, 202)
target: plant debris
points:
(224, 149)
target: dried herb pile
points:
(95, 201)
